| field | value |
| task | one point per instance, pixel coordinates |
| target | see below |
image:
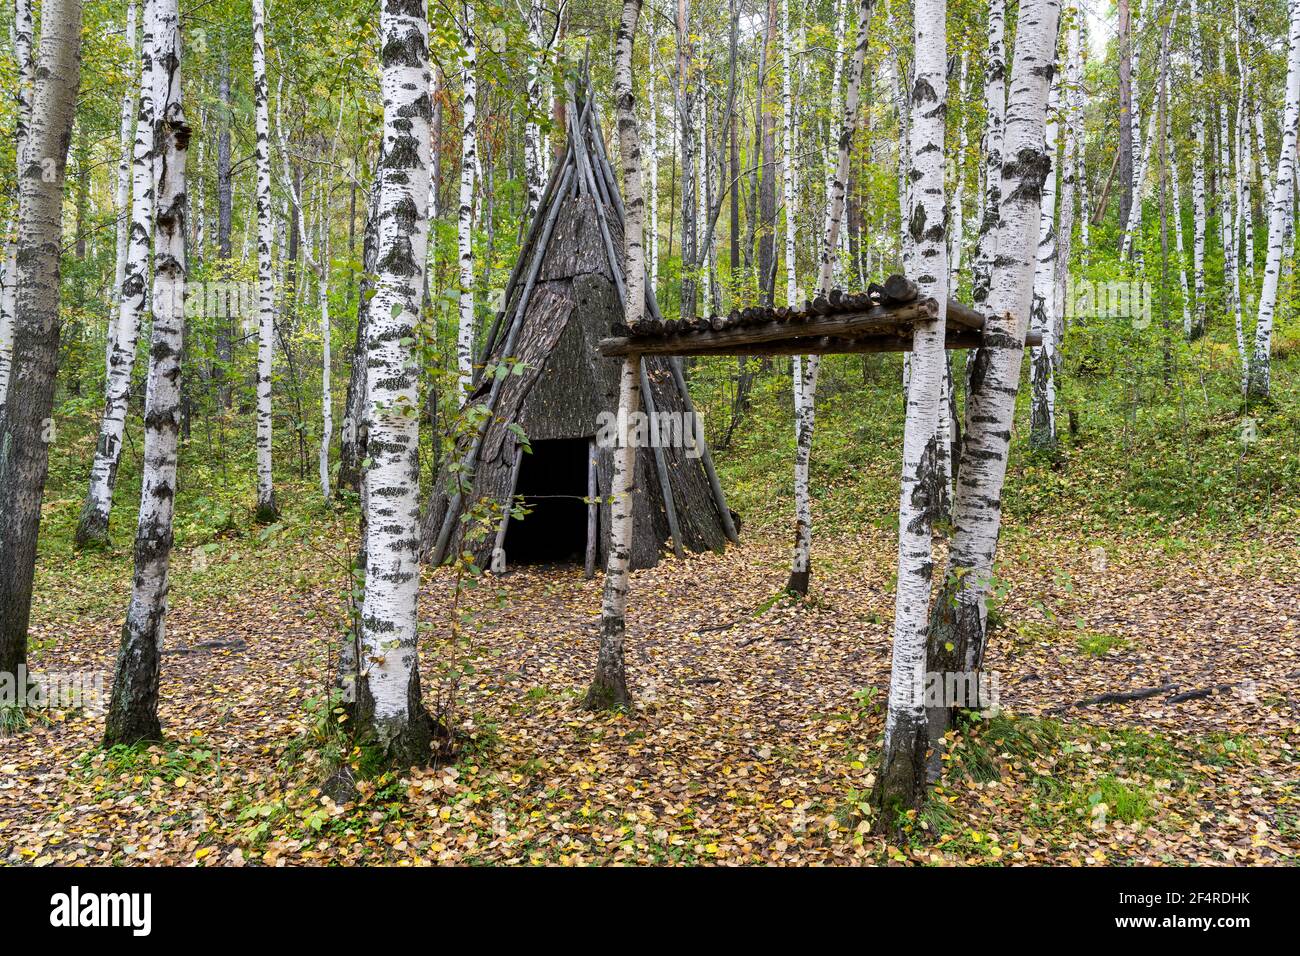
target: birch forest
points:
(658, 432)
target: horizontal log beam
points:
(819, 345)
(848, 324)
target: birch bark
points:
(26, 67)
(957, 633)
(267, 511)
(1279, 214)
(92, 527)
(901, 780)
(389, 704)
(609, 685)
(465, 216)
(25, 420)
(133, 707)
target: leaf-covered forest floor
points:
(1156, 550)
(753, 739)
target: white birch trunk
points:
(323, 299)
(1081, 166)
(132, 297)
(534, 160)
(122, 190)
(465, 215)
(902, 772)
(266, 506)
(1199, 211)
(995, 369)
(26, 67)
(1227, 230)
(1279, 213)
(957, 219)
(1042, 414)
(1178, 215)
(1072, 107)
(133, 709)
(1245, 161)
(25, 420)
(994, 109)
(609, 686)
(389, 705)
(652, 157)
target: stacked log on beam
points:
(881, 319)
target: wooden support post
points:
(593, 511)
(499, 546)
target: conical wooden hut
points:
(565, 296)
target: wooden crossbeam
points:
(818, 345)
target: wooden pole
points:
(498, 547)
(593, 511)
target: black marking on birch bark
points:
(408, 50)
(1030, 168)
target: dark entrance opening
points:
(553, 481)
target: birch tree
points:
(652, 156)
(1072, 146)
(133, 707)
(1279, 214)
(1042, 431)
(26, 67)
(685, 126)
(26, 425)
(805, 368)
(92, 528)
(957, 632)
(609, 686)
(465, 213)
(267, 510)
(389, 706)
(1198, 178)
(534, 150)
(122, 186)
(901, 780)
(994, 110)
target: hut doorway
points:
(553, 483)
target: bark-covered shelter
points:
(565, 295)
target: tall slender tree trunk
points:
(609, 686)
(995, 100)
(225, 210)
(534, 150)
(133, 707)
(465, 215)
(1125, 169)
(1227, 228)
(957, 631)
(323, 304)
(901, 780)
(389, 705)
(1197, 328)
(1171, 154)
(267, 510)
(652, 156)
(26, 422)
(26, 67)
(767, 186)
(1042, 430)
(92, 528)
(1072, 107)
(352, 435)
(686, 134)
(804, 368)
(122, 190)
(1279, 213)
